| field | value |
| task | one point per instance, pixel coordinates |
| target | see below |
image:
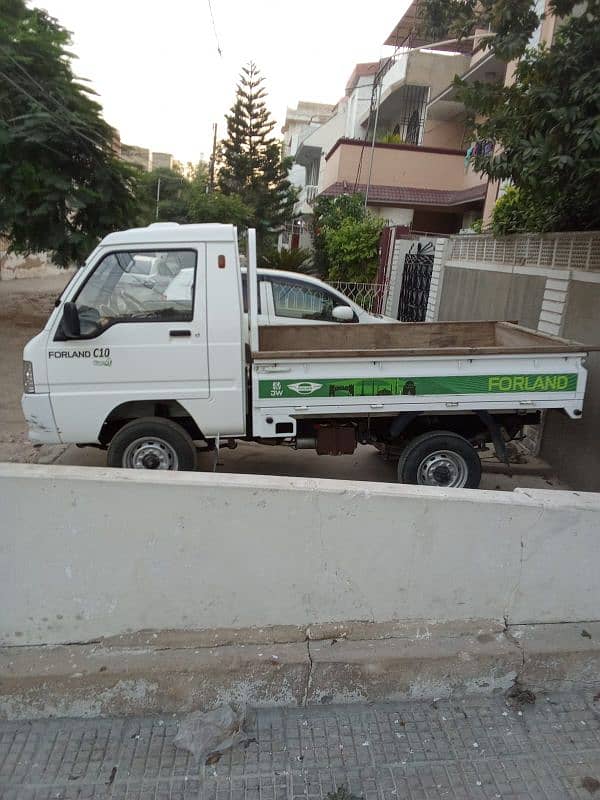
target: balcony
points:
(408, 80)
(398, 165)
(485, 68)
(429, 180)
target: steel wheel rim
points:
(445, 468)
(150, 452)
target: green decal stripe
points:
(454, 384)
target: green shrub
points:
(391, 138)
(352, 249)
(293, 260)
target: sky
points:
(162, 83)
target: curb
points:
(179, 672)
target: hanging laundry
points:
(468, 156)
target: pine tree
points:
(250, 163)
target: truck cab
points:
(117, 346)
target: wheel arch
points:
(410, 424)
(136, 409)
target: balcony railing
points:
(308, 193)
(305, 199)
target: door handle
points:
(180, 333)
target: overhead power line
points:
(59, 122)
(212, 17)
(61, 106)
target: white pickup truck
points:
(152, 378)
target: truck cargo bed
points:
(448, 367)
(408, 339)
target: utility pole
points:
(377, 95)
(213, 158)
(157, 196)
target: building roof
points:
(359, 71)
(404, 33)
(410, 195)
(306, 111)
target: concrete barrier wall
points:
(90, 553)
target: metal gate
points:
(416, 280)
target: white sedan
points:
(288, 298)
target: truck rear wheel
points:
(440, 458)
(152, 443)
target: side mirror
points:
(343, 314)
(70, 321)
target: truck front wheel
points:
(440, 458)
(152, 443)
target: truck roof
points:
(173, 232)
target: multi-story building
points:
(388, 140)
(484, 67)
(161, 160)
(302, 120)
(144, 158)
(300, 123)
(140, 156)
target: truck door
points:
(143, 338)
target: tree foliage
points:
(352, 249)
(328, 213)
(185, 198)
(511, 22)
(546, 124)
(172, 188)
(346, 238)
(62, 186)
(250, 162)
(219, 207)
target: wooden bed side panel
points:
(392, 336)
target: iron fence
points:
(367, 295)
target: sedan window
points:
(303, 300)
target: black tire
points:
(167, 446)
(446, 458)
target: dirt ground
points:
(24, 309)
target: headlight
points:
(28, 382)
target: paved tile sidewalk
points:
(478, 747)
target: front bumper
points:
(37, 410)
